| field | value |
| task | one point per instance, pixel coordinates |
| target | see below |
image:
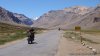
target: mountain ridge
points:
(68, 18)
(11, 18)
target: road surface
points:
(46, 45)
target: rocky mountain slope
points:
(14, 18)
(23, 19)
(89, 20)
(68, 18)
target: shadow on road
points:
(33, 43)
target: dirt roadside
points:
(69, 47)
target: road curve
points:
(46, 45)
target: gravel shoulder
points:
(68, 47)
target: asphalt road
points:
(46, 45)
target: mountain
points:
(54, 18)
(68, 18)
(57, 18)
(23, 19)
(89, 20)
(14, 18)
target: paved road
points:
(47, 44)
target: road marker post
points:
(78, 29)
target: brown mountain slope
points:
(90, 20)
(56, 18)
(86, 17)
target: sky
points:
(36, 8)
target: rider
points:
(31, 36)
(59, 29)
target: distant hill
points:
(14, 18)
(68, 18)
